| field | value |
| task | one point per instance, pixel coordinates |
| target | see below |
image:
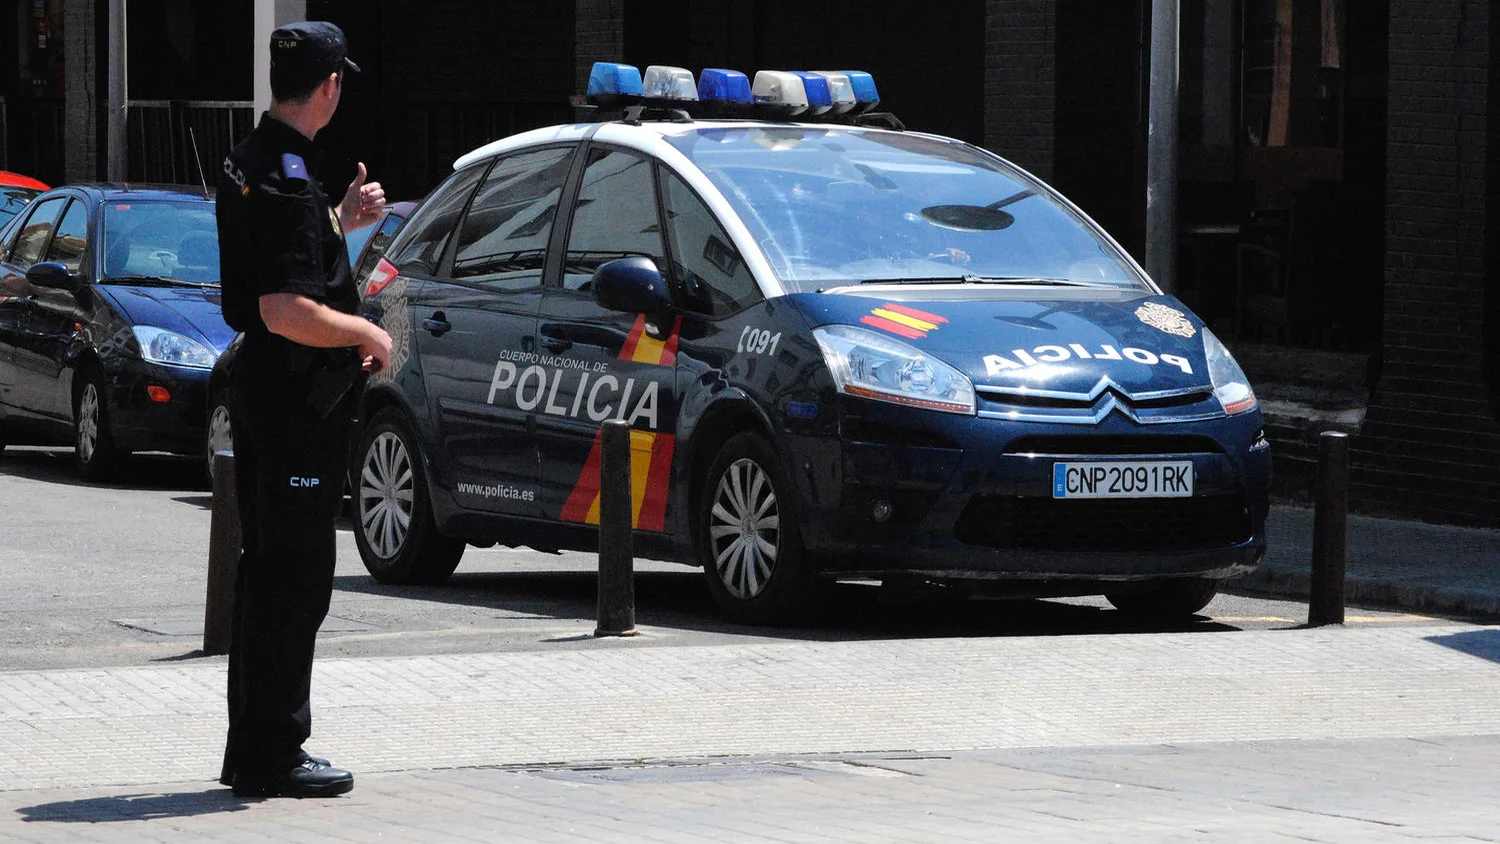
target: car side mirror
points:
(633, 285)
(54, 275)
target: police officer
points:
(294, 389)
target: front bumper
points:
(139, 423)
(971, 498)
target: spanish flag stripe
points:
(913, 312)
(919, 324)
(641, 443)
(627, 352)
(893, 327)
(647, 349)
(653, 510)
(585, 494)
(669, 350)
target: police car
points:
(843, 351)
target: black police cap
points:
(309, 50)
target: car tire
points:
(1174, 598)
(748, 541)
(94, 449)
(393, 525)
(220, 433)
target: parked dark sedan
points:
(110, 321)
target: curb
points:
(1375, 593)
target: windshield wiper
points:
(158, 281)
(977, 279)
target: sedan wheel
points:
(220, 436)
(397, 537)
(94, 450)
(749, 545)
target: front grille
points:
(1098, 444)
(1126, 524)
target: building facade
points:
(1338, 166)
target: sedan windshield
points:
(842, 205)
(176, 240)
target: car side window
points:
(503, 243)
(35, 231)
(421, 249)
(711, 273)
(615, 216)
(72, 235)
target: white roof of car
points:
(641, 135)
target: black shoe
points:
(308, 779)
(226, 773)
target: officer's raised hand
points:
(363, 202)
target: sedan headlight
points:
(1231, 387)
(159, 345)
(874, 366)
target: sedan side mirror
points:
(632, 285)
(54, 275)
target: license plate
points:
(1123, 479)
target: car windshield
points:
(12, 200)
(842, 205)
(161, 239)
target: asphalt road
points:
(115, 575)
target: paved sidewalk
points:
(1391, 563)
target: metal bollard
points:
(223, 558)
(1330, 530)
(616, 563)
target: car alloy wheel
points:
(220, 434)
(88, 423)
(385, 495)
(396, 532)
(94, 449)
(745, 529)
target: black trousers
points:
(290, 464)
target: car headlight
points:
(1231, 387)
(874, 366)
(159, 345)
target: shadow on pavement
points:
(136, 807)
(680, 600)
(1484, 644)
(139, 471)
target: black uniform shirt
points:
(278, 233)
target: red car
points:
(15, 191)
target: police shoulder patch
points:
(293, 168)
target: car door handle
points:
(555, 339)
(437, 324)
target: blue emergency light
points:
(865, 95)
(727, 87)
(611, 83)
(819, 100)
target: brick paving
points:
(1331, 734)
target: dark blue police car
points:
(843, 352)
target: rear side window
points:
(615, 216)
(35, 231)
(712, 276)
(422, 243)
(503, 243)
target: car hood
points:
(1073, 340)
(192, 312)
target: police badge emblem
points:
(333, 218)
(1163, 318)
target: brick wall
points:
(80, 111)
(1430, 446)
(1020, 82)
(599, 36)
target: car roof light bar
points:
(819, 100)
(840, 90)
(724, 87)
(865, 95)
